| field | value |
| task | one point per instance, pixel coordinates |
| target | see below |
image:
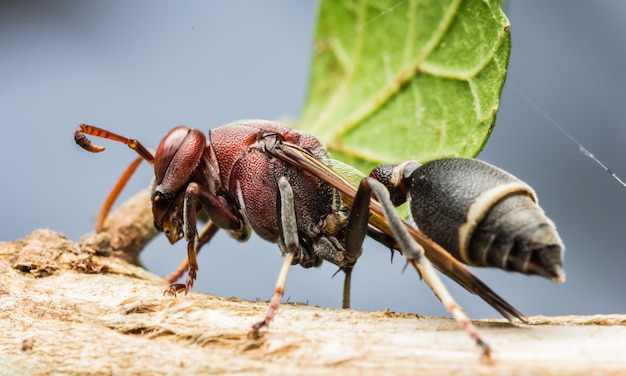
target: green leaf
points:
(398, 80)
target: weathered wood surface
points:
(65, 309)
(82, 308)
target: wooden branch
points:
(76, 308)
(126, 232)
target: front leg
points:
(220, 215)
(203, 238)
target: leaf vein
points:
(405, 75)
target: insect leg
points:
(289, 228)
(347, 285)
(356, 229)
(415, 255)
(205, 236)
(220, 215)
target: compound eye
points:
(176, 158)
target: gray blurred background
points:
(141, 68)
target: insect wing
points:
(441, 259)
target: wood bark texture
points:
(84, 308)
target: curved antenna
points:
(80, 136)
(84, 142)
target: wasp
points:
(261, 176)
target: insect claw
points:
(486, 355)
(169, 291)
(174, 289)
(191, 278)
(255, 333)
